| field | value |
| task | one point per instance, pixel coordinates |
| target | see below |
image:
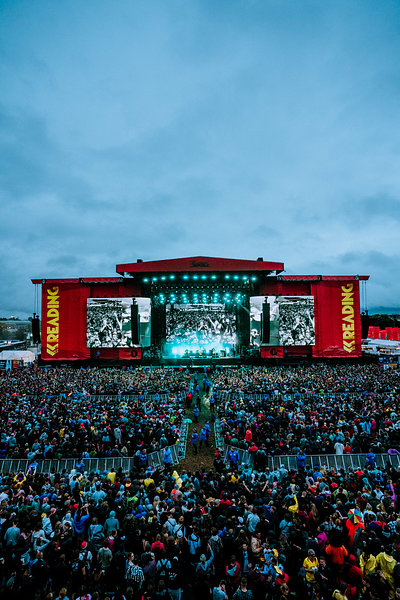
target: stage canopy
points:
(199, 263)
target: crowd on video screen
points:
(109, 322)
(201, 325)
(291, 320)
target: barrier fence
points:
(229, 395)
(329, 461)
(335, 461)
(155, 459)
(110, 397)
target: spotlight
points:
(213, 277)
(227, 276)
(186, 277)
(163, 278)
(172, 276)
(154, 279)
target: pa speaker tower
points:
(135, 324)
(36, 329)
(265, 324)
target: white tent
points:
(26, 355)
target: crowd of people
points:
(227, 532)
(319, 409)
(63, 412)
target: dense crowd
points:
(311, 534)
(226, 533)
(59, 412)
(319, 409)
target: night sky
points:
(181, 128)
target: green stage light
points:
(195, 276)
(213, 277)
(172, 276)
(236, 277)
(145, 280)
(254, 278)
(163, 278)
(154, 279)
(227, 276)
(204, 276)
(186, 277)
(245, 278)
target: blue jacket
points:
(301, 460)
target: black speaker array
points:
(265, 323)
(364, 325)
(36, 330)
(158, 324)
(135, 324)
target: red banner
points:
(271, 352)
(64, 321)
(337, 319)
(130, 353)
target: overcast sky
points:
(183, 128)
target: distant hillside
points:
(382, 320)
(384, 310)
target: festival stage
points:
(200, 310)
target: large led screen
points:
(288, 320)
(109, 322)
(199, 328)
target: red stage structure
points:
(325, 310)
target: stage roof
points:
(199, 263)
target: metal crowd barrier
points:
(46, 466)
(156, 459)
(219, 440)
(334, 461)
(228, 395)
(183, 440)
(109, 397)
(329, 461)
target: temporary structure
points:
(25, 355)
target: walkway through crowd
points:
(201, 454)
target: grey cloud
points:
(264, 232)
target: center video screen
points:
(109, 322)
(199, 328)
(288, 320)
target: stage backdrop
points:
(64, 321)
(337, 318)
